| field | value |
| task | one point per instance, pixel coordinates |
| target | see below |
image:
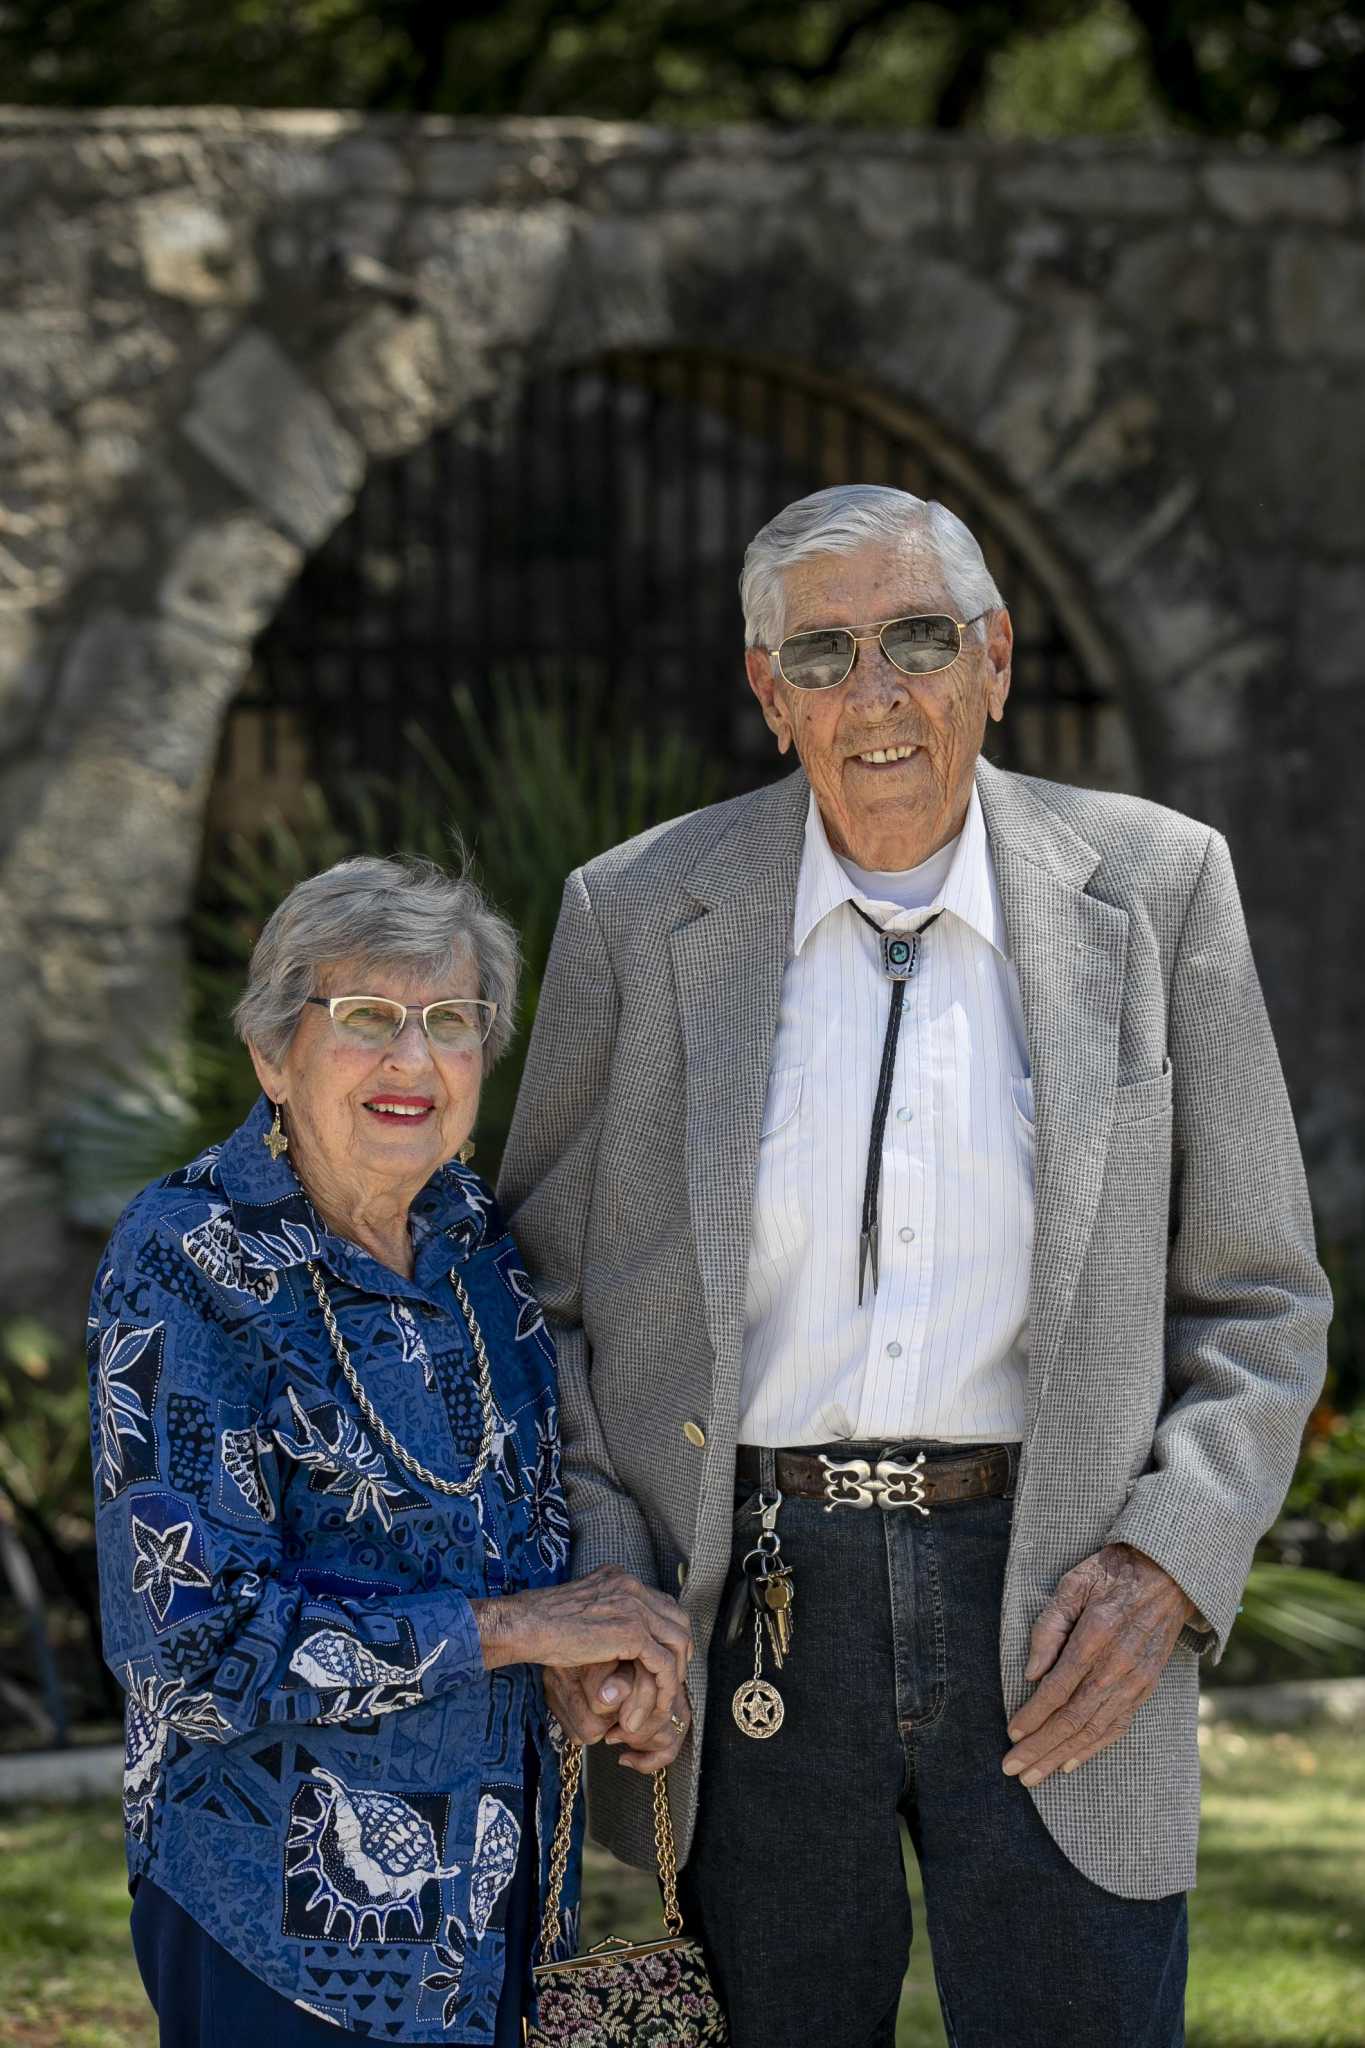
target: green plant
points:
(541, 786)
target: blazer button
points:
(695, 1434)
(682, 1575)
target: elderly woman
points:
(330, 1526)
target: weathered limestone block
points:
(191, 251)
(1206, 709)
(1329, 605)
(116, 822)
(704, 180)
(1280, 188)
(889, 201)
(228, 577)
(367, 163)
(464, 173)
(265, 428)
(21, 675)
(1317, 296)
(940, 334)
(388, 379)
(1051, 383)
(490, 277)
(1095, 184)
(616, 287)
(1291, 456)
(35, 1251)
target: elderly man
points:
(904, 1163)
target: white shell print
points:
(242, 1462)
(357, 1467)
(369, 1854)
(215, 1248)
(330, 1659)
(495, 1859)
(153, 1707)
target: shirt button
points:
(907, 1235)
(893, 1350)
(904, 1115)
(695, 1434)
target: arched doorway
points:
(585, 531)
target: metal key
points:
(779, 1591)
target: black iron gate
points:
(587, 536)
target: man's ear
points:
(999, 655)
(758, 667)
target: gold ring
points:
(681, 1726)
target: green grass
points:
(1278, 1920)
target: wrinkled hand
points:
(620, 1704)
(603, 1619)
(1099, 1646)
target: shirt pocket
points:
(778, 1183)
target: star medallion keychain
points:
(757, 1705)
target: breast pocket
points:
(778, 1204)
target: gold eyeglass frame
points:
(487, 1010)
(775, 653)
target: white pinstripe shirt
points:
(939, 1350)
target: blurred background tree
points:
(1290, 72)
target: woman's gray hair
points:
(390, 913)
(844, 518)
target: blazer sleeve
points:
(545, 1188)
(203, 1615)
(1247, 1304)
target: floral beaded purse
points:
(654, 1993)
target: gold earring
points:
(274, 1139)
(466, 1152)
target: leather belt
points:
(893, 1481)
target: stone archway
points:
(445, 266)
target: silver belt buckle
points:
(853, 1483)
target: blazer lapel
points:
(1070, 951)
(729, 962)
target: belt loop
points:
(767, 1468)
(1012, 1476)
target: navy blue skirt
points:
(205, 1998)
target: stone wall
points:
(210, 323)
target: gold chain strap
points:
(377, 1422)
(664, 1849)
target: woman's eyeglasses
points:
(918, 646)
(457, 1025)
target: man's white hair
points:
(844, 518)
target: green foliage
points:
(1329, 1486)
(1291, 71)
(44, 1436)
(539, 789)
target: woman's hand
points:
(606, 1618)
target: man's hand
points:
(1103, 1641)
(619, 1704)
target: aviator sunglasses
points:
(918, 646)
(457, 1024)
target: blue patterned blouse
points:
(318, 1766)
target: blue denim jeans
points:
(894, 1712)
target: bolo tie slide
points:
(900, 952)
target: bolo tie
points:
(900, 951)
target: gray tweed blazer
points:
(1178, 1314)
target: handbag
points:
(622, 1993)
